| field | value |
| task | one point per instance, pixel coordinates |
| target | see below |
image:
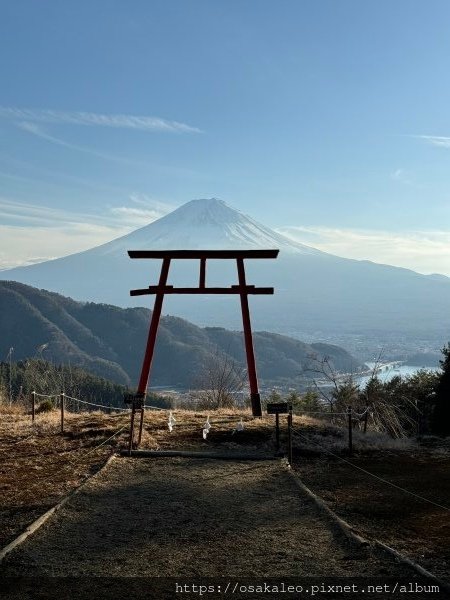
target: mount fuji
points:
(314, 291)
(203, 224)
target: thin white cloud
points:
(137, 217)
(402, 176)
(436, 140)
(30, 233)
(146, 211)
(38, 131)
(141, 123)
(148, 203)
(23, 245)
(146, 200)
(422, 251)
(32, 214)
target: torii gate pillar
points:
(248, 339)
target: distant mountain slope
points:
(110, 341)
(314, 291)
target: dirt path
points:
(191, 517)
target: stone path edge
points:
(194, 454)
(35, 525)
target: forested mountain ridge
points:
(109, 341)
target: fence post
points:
(33, 406)
(366, 416)
(130, 444)
(277, 431)
(350, 430)
(62, 411)
(290, 436)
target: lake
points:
(391, 371)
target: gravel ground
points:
(193, 518)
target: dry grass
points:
(316, 437)
(39, 465)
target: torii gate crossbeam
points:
(242, 289)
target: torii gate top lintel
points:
(242, 289)
(203, 253)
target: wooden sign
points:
(136, 400)
(278, 408)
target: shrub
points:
(45, 406)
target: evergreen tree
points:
(441, 417)
(308, 402)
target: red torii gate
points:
(137, 400)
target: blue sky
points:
(328, 120)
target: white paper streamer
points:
(172, 421)
(239, 427)
(206, 428)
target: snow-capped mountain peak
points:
(208, 224)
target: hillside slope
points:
(110, 341)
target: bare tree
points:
(220, 381)
(334, 388)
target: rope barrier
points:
(355, 415)
(360, 415)
(99, 405)
(299, 434)
(46, 395)
(107, 440)
(309, 412)
(234, 419)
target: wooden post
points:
(130, 443)
(277, 430)
(290, 436)
(350, 431)
(61, 398)
(33, 406)
(141, 425)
